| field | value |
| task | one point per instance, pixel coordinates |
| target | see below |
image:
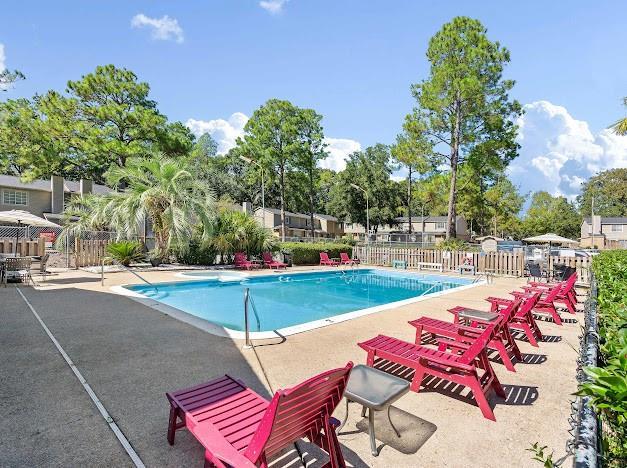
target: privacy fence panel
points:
(89, 252)
(499, 263)
(25, 247)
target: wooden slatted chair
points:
(523, 319)
(566, 295)
(240, 428)
(457, 362)
(545, 304)
(502, 341)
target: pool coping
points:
(219, 330)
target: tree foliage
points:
(103, 120)
(369, 169)
(620, 127)
(464, 106)
(609, 190)
(551, 214)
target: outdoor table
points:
(375, 390)
(478, 315)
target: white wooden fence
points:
(498, 263)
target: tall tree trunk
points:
(311, 202)
(282, 199)
(409, 201)
(451, 230)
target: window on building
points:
(15, 197)
(440, 225)
(288, 220)
(617, 228)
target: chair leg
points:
(503, 354)
(174, 413)
(481, 399)
(419, 374)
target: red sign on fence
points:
(50, 236)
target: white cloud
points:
(163, 29)
(2, 58)
(339, 149)
(559, 152)
(224, 132)
(273, 6)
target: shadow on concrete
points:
(520, 395)
(528, 358)
(131, 355)
(551, 338)
(61, 281)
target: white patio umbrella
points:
(550, 238)
(24, 218)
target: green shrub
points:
(198, 253)
(307, 253)
(126, 252)
(454, 245)
(608, 385)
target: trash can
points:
(287, 258)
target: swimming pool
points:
(292, 302)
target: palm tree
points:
(620, 127)
(236, 231)
(161, 191)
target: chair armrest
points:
(446, 362)
(443, 344)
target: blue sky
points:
(353, 61)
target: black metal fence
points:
(586, 428)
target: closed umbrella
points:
(24, 218)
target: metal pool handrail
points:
(248, 299)
(433, 286)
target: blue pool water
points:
(289, 299)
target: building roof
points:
(298, 215)
(69, 186)
(419, 219)
(608, 220)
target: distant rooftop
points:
(298, 215)
(69, 186)
(608, 220)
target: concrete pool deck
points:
(131, 355)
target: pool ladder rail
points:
(249, 304)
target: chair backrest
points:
(298, 412)
(43, 262)
(18, 263)
(511, 310)
(555, 291)
(534, 269)
(344, 257)
(569, 272)
(324, 256)
(267, 257)
(240, 257)
(479, 345)
(528, 304)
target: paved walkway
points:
(132, 354)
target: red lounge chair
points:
(523, 319)
(346, 260)
(239, 428)
(566, 295)
(325, 260)
(456, 362)
(545, 304)
(502, 341)
(271, 262)
(242, 262)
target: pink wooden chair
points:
(502, 341)
(454, 361)
(325, 260)
(523, 319)
(241, 261)
(545, 304)
(566, 296)
(271, 262)
(346, 260)
(239, 428)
